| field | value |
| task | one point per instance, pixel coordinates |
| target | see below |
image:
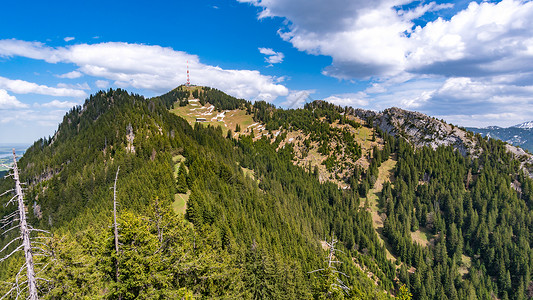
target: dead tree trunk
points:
(115, 225)
(331, 270)
(25, 234)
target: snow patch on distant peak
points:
(525, 125)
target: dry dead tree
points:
(115, 225)
(31, 246)
(338, 284)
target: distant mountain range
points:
(518, 135)
(6, 152)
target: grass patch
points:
(177, 160)
(231, 117)
(234, 117)
(384, 175)
(421, 237)
(180, 202)
(248, 173)
(465, 267)
(363, 136)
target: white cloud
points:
(272, 57)
(35, 50)
(410, 95)
(478, 62)
(30, 117)
(69, 38)
(485, 39)
(71, 75)
(25, 87)
(58, 104)
(376, 38)
(298, 98)
(506, 119)
(80, 86)
(360, 99)
(462, 101)
(101, 84)
(149, 67)
(9, 102)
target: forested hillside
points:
(261, 204)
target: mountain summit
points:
(219, 197)
(525, 125)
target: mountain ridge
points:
(525, 125)
(405, 196)
(520, 135)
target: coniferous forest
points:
(257, 224)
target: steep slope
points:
(424, 131)
(421, 130)
(412, 201)
(240, 238)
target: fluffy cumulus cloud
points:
(481, 55)
(466, 96)
(379, 38)
(359, 99)
(101, 84)
(272, 57)
(71, 75)
(9, 102)
(44, 121)
(460, 100)
(58, 104)
(153, 68)
(24, 87)
(298, 98)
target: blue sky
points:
(470, 63)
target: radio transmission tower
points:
(188, 81)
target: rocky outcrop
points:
(421, 130)
(525, 158)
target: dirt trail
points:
(385, 174)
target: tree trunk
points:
(116, 228)
(25, 234)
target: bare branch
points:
(6, 257)
(11, 242)
(16, 226)
(24, 236)
(318, 270)
(9, 216)
(40, 230)
(339, 272)
(6, 192)
(11, 201)
(10, 291)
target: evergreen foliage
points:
(252, 238)
(238, 239)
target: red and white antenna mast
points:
(188, 81)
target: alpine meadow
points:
(264, 205)
(266, 149)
